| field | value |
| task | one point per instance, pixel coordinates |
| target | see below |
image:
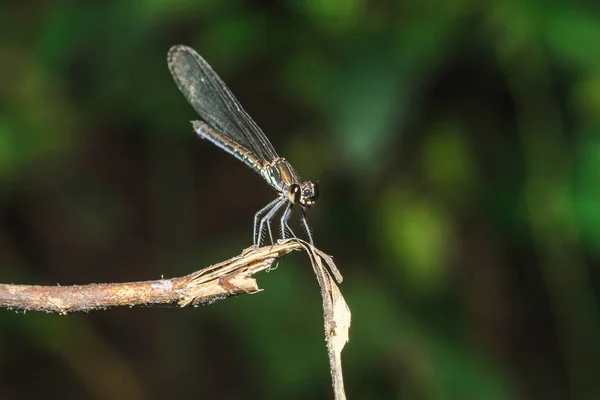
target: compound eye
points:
(294, 193)
(315, 190)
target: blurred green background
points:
(458, 152)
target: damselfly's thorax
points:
(282, 177)
(279, 174)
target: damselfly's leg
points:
(267, 219)
(255, 233)
(284, 221)
(305, 223)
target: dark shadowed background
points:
(458, 151)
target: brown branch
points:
(217, 282)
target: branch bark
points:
(217, 282)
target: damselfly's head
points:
(304, 194)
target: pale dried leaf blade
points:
(341, 317)
(336, 315)
(337, 331)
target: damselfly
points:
(227, 125)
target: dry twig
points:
(217, 282)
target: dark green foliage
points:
(458, 151)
